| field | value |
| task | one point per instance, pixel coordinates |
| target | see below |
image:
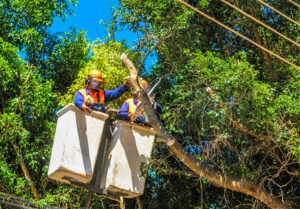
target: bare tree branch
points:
(150, 51)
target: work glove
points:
(131, 82)
(130, 114)
(146, 118)
(85, 108)
(127, 82)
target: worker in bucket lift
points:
(129, 106)
(94, 96)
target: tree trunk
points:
(16, 148)
(227, 181)
(26, 173)
(122, 204)
(258, 40)
(89, 200)
(138, 200)
(272, 73)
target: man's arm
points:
(158, 108)
(79, 99)
(140, 119)
(114, 94)
(79, 102)
(123, 112)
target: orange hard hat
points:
(145, 84)
(95, 74)
(95, 80)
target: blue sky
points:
(88, 14)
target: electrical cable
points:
(283, 15)
(260, 22)
(294, 3)
(238, 34)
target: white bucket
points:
(131, 146)
(76, 144)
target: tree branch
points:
(150, 51)
(2, 102)
(25, 172)
(223, 179)
(4, 188)
(17, 107)
(235, 123)
(16, 148)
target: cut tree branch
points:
(222, 179)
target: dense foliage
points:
(29, 95)
(106, 59)
(247, 125)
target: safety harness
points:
(91, 98)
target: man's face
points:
(97, 83)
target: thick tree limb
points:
(222, 179)
(178, 172)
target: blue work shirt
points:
(123, 113)
(109, 95)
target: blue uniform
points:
(107, 96)
(129, 106)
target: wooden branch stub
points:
(133, 78)
(128, 64)
(171, 142)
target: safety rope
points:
(258, 21)
(283, 15)
(239, 34)
(294, 3)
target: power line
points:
(238, 34)
(283, 15)
(260, 22)
(294, 3)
